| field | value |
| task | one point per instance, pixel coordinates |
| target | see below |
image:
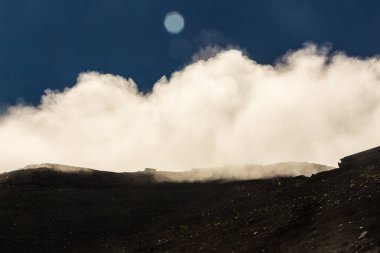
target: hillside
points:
(45, 210)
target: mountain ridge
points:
(331, 211)
(42, 173)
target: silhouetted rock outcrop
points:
(370, 157)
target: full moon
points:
(174, 22)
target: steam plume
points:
(226, 110)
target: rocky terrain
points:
(50, 210)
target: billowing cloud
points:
(228, 109)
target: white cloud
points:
(221, 111)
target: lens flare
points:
(174, 22)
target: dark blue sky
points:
(47, 43)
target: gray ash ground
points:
(49, 211)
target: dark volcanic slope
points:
(50, 211)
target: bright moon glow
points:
(174, 22)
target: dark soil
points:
(48, 211)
